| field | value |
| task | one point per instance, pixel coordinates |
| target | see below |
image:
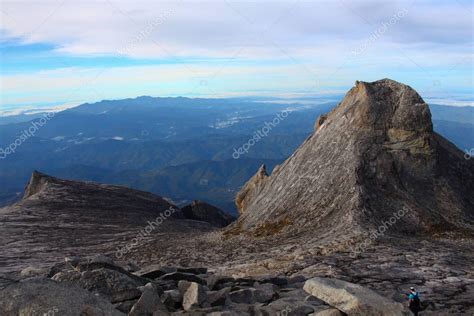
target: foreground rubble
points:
(98, 286)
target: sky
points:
(61, 53)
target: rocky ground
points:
(441, 269)
(98, 286)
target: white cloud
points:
(220, 28)
(248, 47)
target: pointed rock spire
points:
(373, 156)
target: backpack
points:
(415, 302)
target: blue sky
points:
(60, 53)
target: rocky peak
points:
(37, 183)
(251, 189)
(373, 155)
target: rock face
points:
(58, 218)
(202, 211)
(373, 159)
(251, 189)
(353, 299)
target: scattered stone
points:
(218, 298)
(194, 296)
(173, 299)
(183, 286)
(148, 303)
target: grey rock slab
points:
(43, 296)
(352, 298)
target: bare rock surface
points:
(374, 158)
(45, 297)
(59, 218)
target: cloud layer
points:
(327, 43)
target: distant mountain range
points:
(180, 148)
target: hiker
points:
(414, 301)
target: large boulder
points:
(45, 297)
(353, 299)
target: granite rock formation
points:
(58, 218)
(374, 158)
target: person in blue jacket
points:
(414, 301)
